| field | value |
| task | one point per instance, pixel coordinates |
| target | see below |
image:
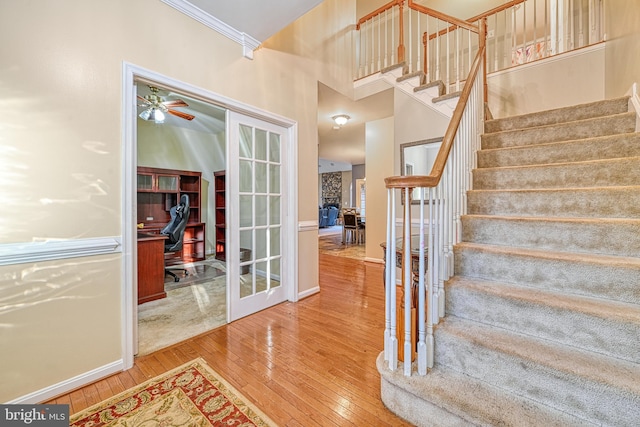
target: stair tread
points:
(563, 124)
(562, 143)
(614, 372)
(619, 311)
(578, 163)
(555, 115)
(462, 395)
(555, 219)
(562, 189)
(608, 260)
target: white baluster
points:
(389, 286)
(406, 253)
(430, 254)
(442, 259)
(422, 346)
(391, 248)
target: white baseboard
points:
(66, 386)
(308, 292)
(374, 260)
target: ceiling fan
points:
(155, 107)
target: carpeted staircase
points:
(543, 313)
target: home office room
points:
(181, 253)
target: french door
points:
(255, 226)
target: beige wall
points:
(555, 82)
(379, 150)
(61, 105)
(622, 67)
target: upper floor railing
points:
(523, 31)
(443, 47)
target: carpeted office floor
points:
(195, 304)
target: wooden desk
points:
(150, 267)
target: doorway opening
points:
(186, 149)
(178, 155)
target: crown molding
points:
(248, 43)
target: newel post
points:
(401, 29)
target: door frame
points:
(131, 74)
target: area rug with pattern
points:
(189, 395)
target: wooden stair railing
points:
(447, 183)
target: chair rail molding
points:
(49, 250)
(248, 43)
(307, 225)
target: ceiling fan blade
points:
(144, 103)
(181, 114)
(175, 103)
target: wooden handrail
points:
(495, 10)
(444, 17)
(432, 180)
(377, 12)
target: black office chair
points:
(175, 232)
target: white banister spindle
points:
(448, 59)
(379, 56)
(373, 47)
(442, 260)
(458, 53)
(407, 281)
(535, 30)
(393, 36)
(495, 43)
(386, 38)
(389, 286)
(418, 39)
(426, 59)
(430, 255)
(391, 248)
(525, 57)
(448, 222)
(410, 42)
(437, 43)
(422, 345)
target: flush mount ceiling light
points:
(341, 119)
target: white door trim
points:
(130, 74)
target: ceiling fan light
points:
(158, 116)
(146, 114)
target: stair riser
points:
(612, 125)
(565, 391)
(562, 325)
(609, 237)
(609, 147)
(614, 282)
(578, 112)
(582, 203)
(600, 173)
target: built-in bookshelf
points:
(161, 189)
(219, 182)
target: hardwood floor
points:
(311, 363)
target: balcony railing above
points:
(443, 47)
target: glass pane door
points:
(259, 221)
